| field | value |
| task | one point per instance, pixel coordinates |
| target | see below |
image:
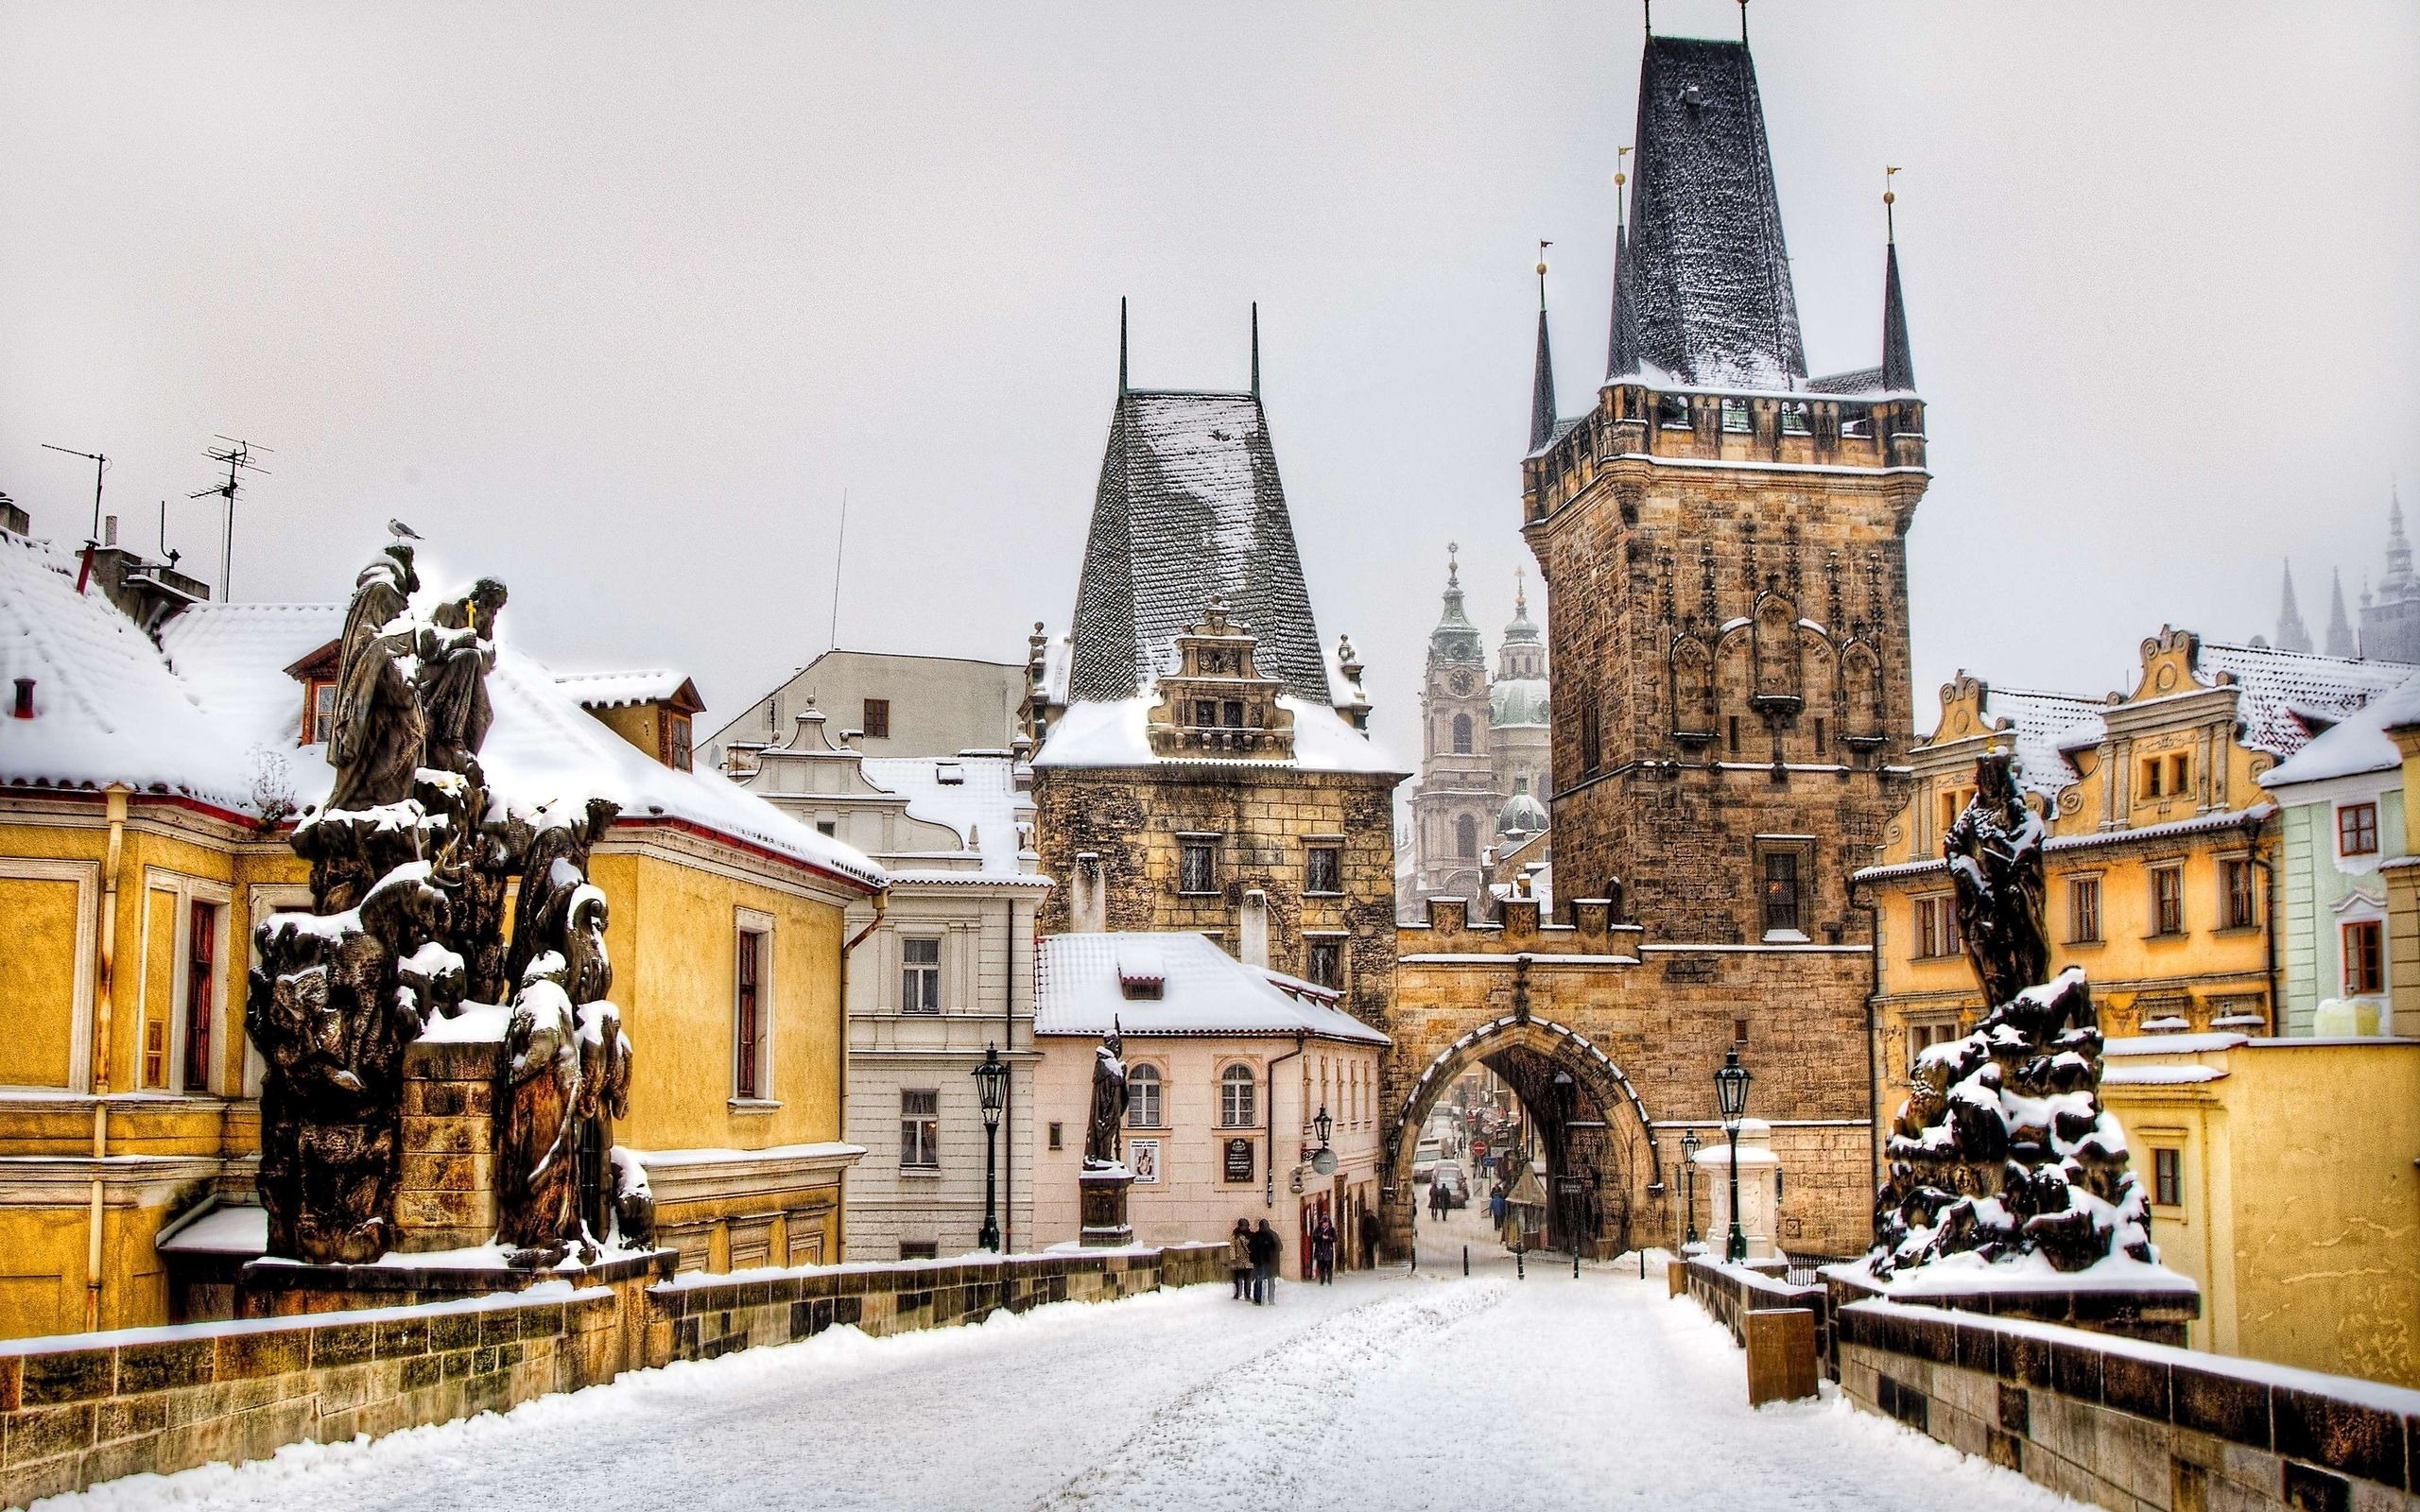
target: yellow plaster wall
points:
(37, 981)
(2300, 1225)
(673, 935)
(634, 723)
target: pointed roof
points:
(2340, 625)
(2399, 583)
(1542, 385)
(1704, 281)
(2292, 633)
(1523, 630)
(1189, 503)
(1898, 363)
(1455, 641)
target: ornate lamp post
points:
(1731, 1097)
(1322, 1124)
(1690, 1143)
(991, 1086)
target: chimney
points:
(25, 708)
(1252, 947)
(109, 531)
(1087, 907)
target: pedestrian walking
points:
(1323, 1250)
(1239, 1256)
(1369, 1240)
(1266, 1248)
(1497, 1204)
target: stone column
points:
(1759, 1183)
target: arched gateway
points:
(1602, 1159)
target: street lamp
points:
(991, 1087)
(1322, 1124)
(1731, 1098)
(1690, 1143)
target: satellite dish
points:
(1324, 1161)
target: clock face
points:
(1461, 684)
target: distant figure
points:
(1497, 1204)
(1266, 1248)
(1436, 1199)
(1240, 1255)
(1323, 1250)
(1370, 1232)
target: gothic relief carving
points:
(1780, 689)
(1864, 709)
(1692, 685)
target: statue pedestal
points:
(445, 1194)
(1760, 1190)
(1103, 1206)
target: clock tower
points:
(1454, 809)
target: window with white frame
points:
(919, 977)
(1144, 1102)
(1238, 1098)
(920, 1129)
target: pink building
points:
(1227, 1069)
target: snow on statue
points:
(2002, 1158)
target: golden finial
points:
(1889, 197)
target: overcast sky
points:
(616, 303)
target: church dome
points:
(1517, 701)
(1521, 815)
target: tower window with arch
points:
(1238, 1098)
(1461, 734)
(1466, 836)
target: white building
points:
(896, 705)
(940, 974)
(1228, 1067)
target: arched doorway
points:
(1603, 1168)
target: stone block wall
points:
(446, 1198)
(1731, 1292)
(2130, 1425)
(78, 1410)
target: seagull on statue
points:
(401, 531)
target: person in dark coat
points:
(1323, 1250)
(1370, 1234)
(1266, 1248)
(1240, 1255)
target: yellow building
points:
(147, 781)
(2300, 1226)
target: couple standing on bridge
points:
(1252, 1260)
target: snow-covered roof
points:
(106, 707)
(974, 794)
(210, 713)
(2354, 745)
(1114, 732)
(1189, 505)
(2041, 724)
(2278, 683)
(618, 690)
(1082, 986)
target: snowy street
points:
(1373, 1393)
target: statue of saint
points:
(1995, 854)
(1102, 1134)
(457, 651)
(379, 730)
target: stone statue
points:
(457, 651)
(379, 728)
(2002, 1148)
(325, 1011)
(413, 859)
(1103, 1133)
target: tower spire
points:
(1256, 349)
(1622, 345)
(2292, 634)
(2340, 625)
(2397, 584)
(1898, 359)
(1542, 382)
(1121, 343)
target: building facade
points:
(147, 785)
(939, 978)
(896, 706)
(1229, 1068)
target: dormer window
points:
(319, 711)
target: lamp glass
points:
(1731, 1087)
(991, 1085)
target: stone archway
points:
(1531, 1052)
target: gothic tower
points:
(1721, 538)
(1454, 808)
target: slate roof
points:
(1189, 505)
(1702, 289)
(2281, 687)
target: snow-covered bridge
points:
(1384, 1391)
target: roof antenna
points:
(1743, 22)
(1121, 343)
(1649, 6)
(238, 458)
(93, 541)
(1256, 349)
(171, 556)
(1889, 225)
(841, 540)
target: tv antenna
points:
(100, 465)
(238, 457)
